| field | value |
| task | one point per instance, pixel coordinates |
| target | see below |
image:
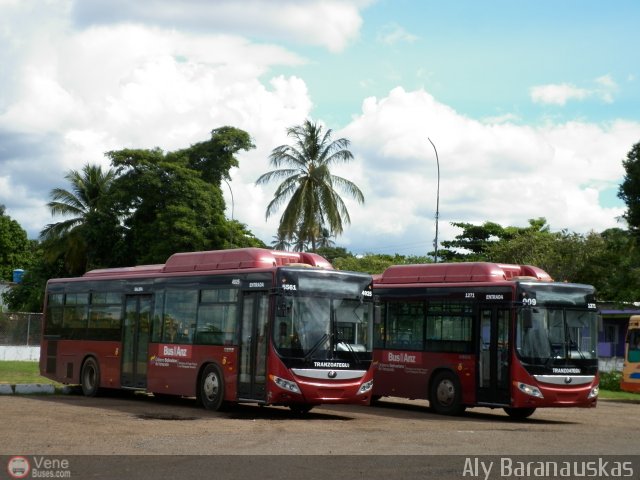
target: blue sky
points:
(482, 58)
(532, 105)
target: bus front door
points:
(135, 341)
(493, 356)
(253, 346)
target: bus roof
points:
(459, 273)
(233, 259)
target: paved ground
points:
(70, 425)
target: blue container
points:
(17, 275)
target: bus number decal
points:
(289, 287)
(592, 305)
(529, 301)
(470, 295)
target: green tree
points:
(216, 156)
(308, 187)
(85, 238)
(475, 241)
(376, 263)
(629, 190)
(15, 251)
(172, 201)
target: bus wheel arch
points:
(210, 389)
(445, 393)
(90, 376)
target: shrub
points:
(610, 381)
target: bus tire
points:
(211, 388)
(446, 394)
(90, 377)
(519, 413)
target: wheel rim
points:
(211, 386)
(446, 392)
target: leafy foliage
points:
(610, 381)
(15, 249)
(629, 190)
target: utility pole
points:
(435, 242)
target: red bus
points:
(243, 325)
(484, 335)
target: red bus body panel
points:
(407, 374)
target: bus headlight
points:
(594, 392)
(286, 384)
(365, 387)
(530, 390)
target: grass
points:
(14, 372)
(610, 395)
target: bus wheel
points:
(446, 394)
(300, 408)
(211, 388)
(90, 377)
(519, 413)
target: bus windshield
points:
(320, 328)
(552, 333)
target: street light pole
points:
(230, 191)
(435, 242)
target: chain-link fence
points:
(23, 329)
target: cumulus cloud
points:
(82, 93)
(328, 23)
(499, 172)
(73, 94)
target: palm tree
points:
(280, 243)
(308, 184)
(324, 240)
(82, 206)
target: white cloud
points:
(109, 87)
(328, 23)
(557, 94)
(497, 172)
(72, 95)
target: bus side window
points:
(180, 316)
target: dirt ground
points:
(143, 425)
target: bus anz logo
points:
(176, 351)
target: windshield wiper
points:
(317, 345)
(351, 350)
